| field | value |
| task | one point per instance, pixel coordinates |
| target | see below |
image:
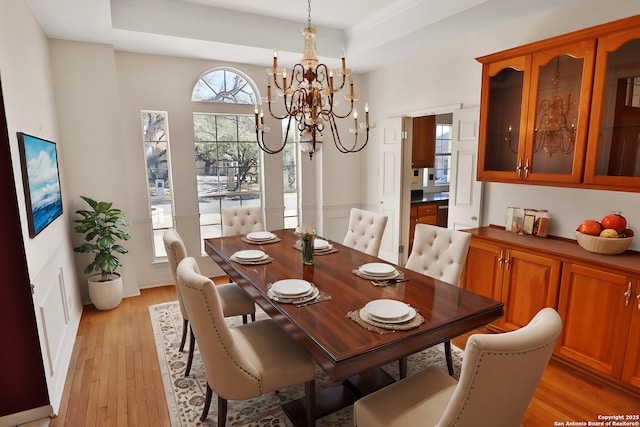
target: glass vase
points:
(307, 248)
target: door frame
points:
(405, 207)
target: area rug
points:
(185, 396)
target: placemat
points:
(331, 250)
(300, 302)
(363, 275)
(383, 328)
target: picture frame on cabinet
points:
(41, 181)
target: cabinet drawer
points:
(427, 209)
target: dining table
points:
(331, 327)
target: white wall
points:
(28, 91)
(451, 75)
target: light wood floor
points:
(114, 378)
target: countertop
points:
(566, 249)
(418, 197)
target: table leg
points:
(334, 398)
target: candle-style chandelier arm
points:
(263, 146)
(347, 114)
(340, 146)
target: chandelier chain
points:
(309, 13)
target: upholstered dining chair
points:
(500, 373)
(365, 231)
(246, 361)
(439, 253)
(236, 302)
(237, 220)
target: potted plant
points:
(102, 226)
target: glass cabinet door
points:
(613, 155)
(559, 110)
(504, 91)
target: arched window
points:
(223, 86)
(227, 154)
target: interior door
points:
(465, 192)
(390, 185)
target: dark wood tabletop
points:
(339, 345)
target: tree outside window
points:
(159, 190)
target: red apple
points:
(615, 221)
(590, 226)
(627, 233)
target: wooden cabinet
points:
(423, 213)
(601, 316)
(503, 117)
(564, 111)
(631, 368)
(613, 158)
(535, 109)
(595, 321)
(597, 296)
(423, 147)
(524, 281)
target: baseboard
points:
(43, 412)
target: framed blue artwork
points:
(41, 181)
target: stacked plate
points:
(320, 245)
(379, 271)
(261, 236)
(388, 311)
(293, 291)
(250, 255)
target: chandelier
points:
(554, 132)
(309, 100)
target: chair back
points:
(439, 252)
(238, 220)
(365, 231)
(176, 252)
(500, 373)
(228, 371)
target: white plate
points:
(294, 297)
(410, 315)
(313, 293)
(378, 269)
(291, 287)
(259, 236)
(321, 244)
(387, 309)
(249, 255)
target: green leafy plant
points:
(102, 225)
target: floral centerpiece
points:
(307, 237)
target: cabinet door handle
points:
(627, 295)
(500, 258)
(526, 169)
(638, 298)
(519, 168)
(507, 261)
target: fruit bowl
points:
(603, 245)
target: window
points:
(155, 137)
(227, 154)
(223, 86)
(227, 166)
(442, 168)
(290, 161)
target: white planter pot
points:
(105, 295)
